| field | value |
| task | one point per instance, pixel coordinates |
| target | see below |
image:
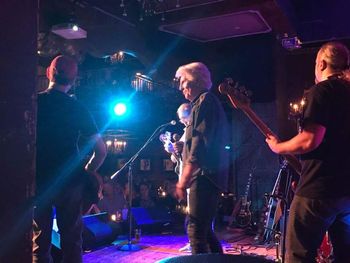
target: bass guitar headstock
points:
(237, 93)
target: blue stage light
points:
(120, 109)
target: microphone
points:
(168, 124)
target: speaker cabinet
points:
(151, 219)
(98, 230)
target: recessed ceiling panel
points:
(237, 24)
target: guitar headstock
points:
(237, 93)
(165, 138)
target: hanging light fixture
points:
(148, 8)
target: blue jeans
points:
(69, 222)
(203, 202)
(309, 219)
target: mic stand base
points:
(130, 246)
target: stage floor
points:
(155, 247)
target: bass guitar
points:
(239, 99)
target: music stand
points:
(130, 246)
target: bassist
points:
(322, 199)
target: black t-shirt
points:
(206, 138)
(325, 170)
(61, 120)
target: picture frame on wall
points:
(145, 164)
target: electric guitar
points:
(244, 216)
(239, 98)
(165, 138)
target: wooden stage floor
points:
(160, 246)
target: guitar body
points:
(165, 138)
(241, 214)
(324, 253)
(244, 217)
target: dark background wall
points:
(18, 64)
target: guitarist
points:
(60, 181)
(322, 198)
(183, 113)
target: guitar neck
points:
(265, 130)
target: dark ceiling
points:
(138, 25)
(234, 37)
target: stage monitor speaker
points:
(217, 258)
(97, 231)
(148, 218)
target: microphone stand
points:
(129, 246)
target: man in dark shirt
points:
(205, 160)
(322, 198)
(59, 181)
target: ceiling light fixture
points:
(69, 31)
(148, 8)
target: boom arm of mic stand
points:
(134, 157)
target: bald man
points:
(322, 198)
(59, 183)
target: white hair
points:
(196, 73)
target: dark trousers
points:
(69, 222)
(203, 202)
(309, 219)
